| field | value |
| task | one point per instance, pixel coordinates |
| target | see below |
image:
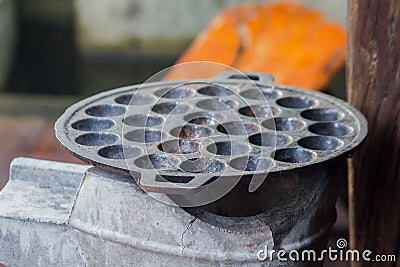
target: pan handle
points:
(263, 78)
(151, 181)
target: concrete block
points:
(112, 208)
(110, 222)
(29, 243)
(40, 190)
(57, 214)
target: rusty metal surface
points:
(189, 132)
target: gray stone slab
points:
(96, 218)
(28, 243)
(42, 191)
(110, 222)
(113, 209)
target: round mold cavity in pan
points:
(134, 99)
(120, 152)
(171, 108)
(217, 104)
(270, 139)
(227, 148)
(180, 146)
(205, 118)
(158, 162)
(97, 139)
(322, 114)
(175, 93)
(145, 135)
(284, 124)
(238, 128)
(259, 111)
(296, 102)
(293, 155)
(261, 94)
(320, 143)
(252, 163)
(190, 131)
(330, 129)
(143, 120)
(93, 124)
(215, 90)
(203, 165)
(105, 110)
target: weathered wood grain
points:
(373, 73)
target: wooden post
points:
(373, 72)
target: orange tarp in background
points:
(294, 43)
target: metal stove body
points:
(290, 143)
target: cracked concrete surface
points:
(184, 232)
(105, 219)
